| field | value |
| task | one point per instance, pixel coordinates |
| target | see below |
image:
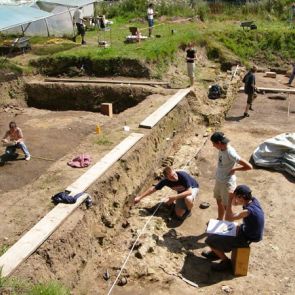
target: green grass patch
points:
(103, 140)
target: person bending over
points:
(186, 188)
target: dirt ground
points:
(166, 248)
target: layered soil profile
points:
(86, 97)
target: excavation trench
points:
(91, 241)
(86, 97)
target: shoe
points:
(210, 255)
(83, 42)
(222, 265)
(246, 115)
(251, 109)
(28, 158)
(185, 215)
(74, 39)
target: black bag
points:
(214, 92)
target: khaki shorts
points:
(222, 190)
(191, 69)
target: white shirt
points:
(150, 13)
(226, 161)
(78, 16)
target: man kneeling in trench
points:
(186, 188)
(251, 230)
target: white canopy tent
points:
(43, 18)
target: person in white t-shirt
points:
(78, 19)
(225, 177)
(150, 18)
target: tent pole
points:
(72, 22)
(47, 27)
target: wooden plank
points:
(24, 247)
(83, 182)
(28, 244)
(106, 81)
(165, 108)
(274, 90)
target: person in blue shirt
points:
(251, 230)
(186, 188)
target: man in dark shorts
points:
(190, 60)
(79, 21)
(186, 188)
(251, 230)
(250, 89)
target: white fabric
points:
(78, 16)
(277, 153)
(226, 161)
(150, 13)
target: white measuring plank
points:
(165, 108)
(61, 80)
(286, 90)
(83, 182)
(28, 243)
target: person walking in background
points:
(190, 61)
(78, 19)
(14, 139)
(186, 188)
(292, 74)
(225, 173)
(251, 230)
(250, 88)
(150, 18)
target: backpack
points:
(214, 92)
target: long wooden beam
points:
(106, 81)
(275, 90)
(36, 236)
(28, 244)
(165, 108)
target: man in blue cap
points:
(229, 162)
(251, 230)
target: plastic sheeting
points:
(70, 3)
(13, 16)
(277, 153)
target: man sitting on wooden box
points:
(251, 230)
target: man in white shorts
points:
(225, 183)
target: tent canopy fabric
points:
(277, 153)
(70, 3)
(13, 16)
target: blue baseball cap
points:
(242, 190)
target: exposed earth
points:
(93, 241)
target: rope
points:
(141, 232)
(144, 227)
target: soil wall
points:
(87, 97)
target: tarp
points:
(13, 16)
(277, 153)
(70, 3)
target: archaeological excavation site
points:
(103, 123)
